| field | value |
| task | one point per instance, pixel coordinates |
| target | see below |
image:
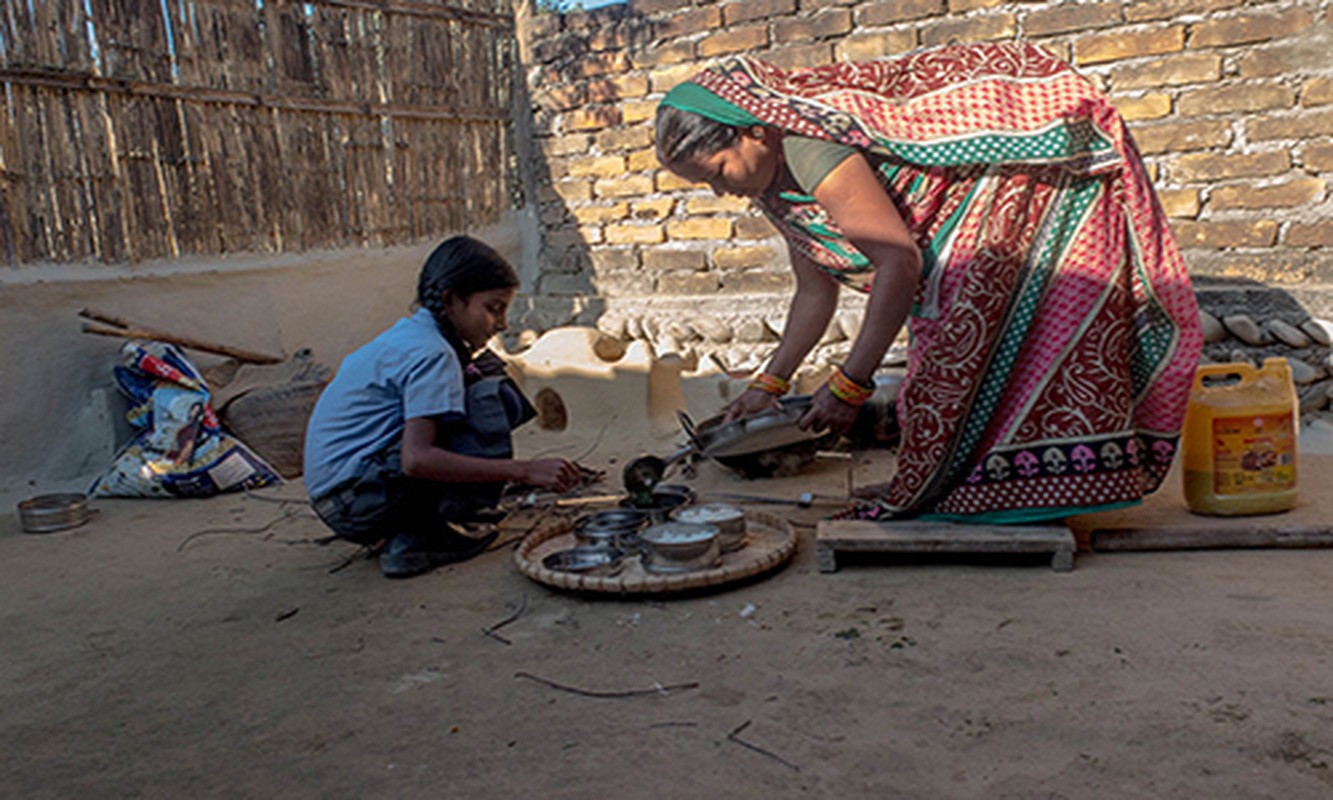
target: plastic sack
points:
(179, 448)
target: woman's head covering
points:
(693, 120)
(692, 97)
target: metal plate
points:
(767, 430)
(586, 561)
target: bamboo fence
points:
(143, 129)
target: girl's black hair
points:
(683, 134)
(464, 266)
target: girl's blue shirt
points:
(407, 372)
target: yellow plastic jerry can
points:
(1239, 448)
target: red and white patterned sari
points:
(1055, 333)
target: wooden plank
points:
(912, 536)
(1163, 522)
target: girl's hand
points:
(828, 413)
(557, 474)
(751, 402)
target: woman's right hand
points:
(751, 402)
(557, 474)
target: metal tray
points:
(767, 430)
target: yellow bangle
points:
(849, 391)
(770, 383)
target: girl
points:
(413, 434)
(991, 199)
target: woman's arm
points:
(423, 459)
(859, 204)
(808, 316)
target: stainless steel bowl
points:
(617, 527)
(680, 547)
(729, 519)
(663, 502)
(675, 489)
(599, 561)
(47, 513)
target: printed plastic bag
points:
(179, 448)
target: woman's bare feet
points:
(873, 491)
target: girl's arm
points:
(859, 204)
(808, 316)
(423, 459)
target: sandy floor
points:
(216, 648)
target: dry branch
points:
(608, 695)
(127, 330)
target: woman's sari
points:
(1055, 333)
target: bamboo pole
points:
(119, 327)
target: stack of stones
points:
(1231, 335)
(740, 344)
(1304, 343)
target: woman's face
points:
(480, 316)
(746, 168)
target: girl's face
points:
(480, 316)
(746, 168)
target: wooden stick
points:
(110, 319)
(247, 356)
(589, 693)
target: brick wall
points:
(1231, 103)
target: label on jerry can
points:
(1255, 453)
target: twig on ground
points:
(595, 443)
(673, 725)
(497, 637)
(590, 693)
(251, 494)
(734, 736)
(491, 630)
(287, 613)
(287, 516)
(362, 553)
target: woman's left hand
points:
(828, 413)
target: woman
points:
(992, 199)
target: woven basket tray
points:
(770, 542)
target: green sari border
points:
(1019, 516)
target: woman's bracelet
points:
(849, 391)
(771, 384)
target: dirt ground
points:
(220, 648)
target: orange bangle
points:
(849, 391)
(770, 383)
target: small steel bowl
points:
(680, 547)
(47, 513)
(599, 561)
(663, 503)
(617, 527)
(675, 489)
(729, 519)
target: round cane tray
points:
(770, 542)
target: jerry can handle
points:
(1244, 370)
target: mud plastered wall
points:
(1231, 103)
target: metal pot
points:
(614, 528)
(680, 547)
(729, 519)
(46, 513)
(661, 503)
